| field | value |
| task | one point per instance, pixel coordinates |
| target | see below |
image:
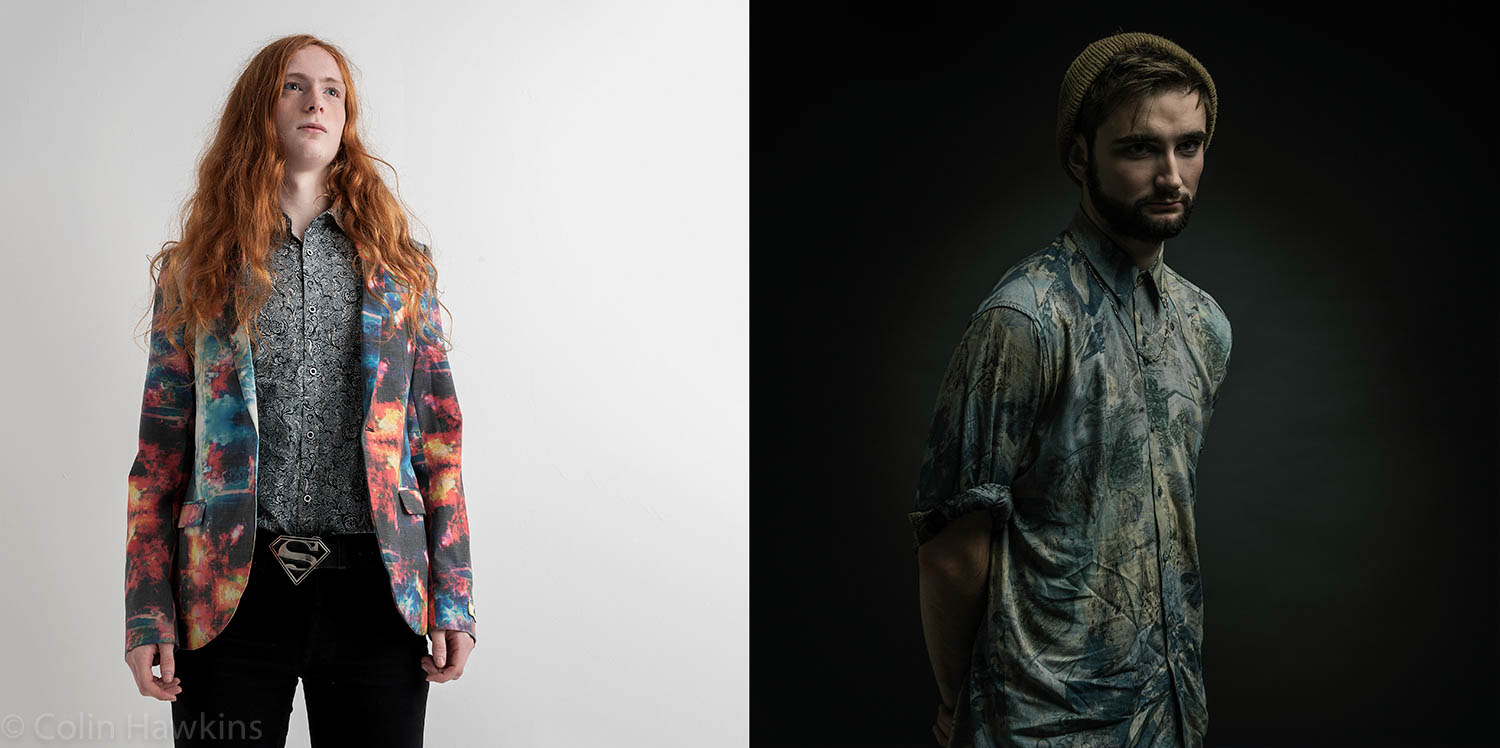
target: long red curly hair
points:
(233, 219)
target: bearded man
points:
(1054, 529)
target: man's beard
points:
(1132, 221)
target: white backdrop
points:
(581, 171)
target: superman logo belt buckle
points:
(298, 556)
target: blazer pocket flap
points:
(411, 500)
(191, 514)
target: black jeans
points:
(339, 631)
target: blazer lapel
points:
(240, 352)
(385, 353)
(244, 364)
(372, 319)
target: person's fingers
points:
(464, 642)
(440, 675)
(140, 660)
(434, 674)
(440, 647)
(939, 736)
(458, 659)
(168, 662)
(458, 656)
(169, 690)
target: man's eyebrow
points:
(1141, 137)
(325, 79)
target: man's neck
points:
(1143, 254)
(303, 194)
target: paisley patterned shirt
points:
(1073, 412)
(309, 385)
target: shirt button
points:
(314, 370)
(306, 499)
(309, 434)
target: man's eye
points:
(1139, 149)
(1191, 146)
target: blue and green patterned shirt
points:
(1073, 411)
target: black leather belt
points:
(300, 555)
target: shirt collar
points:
(1111, 262)
(332, 216)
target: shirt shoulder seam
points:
(1196, 289)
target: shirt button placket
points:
(308, 446)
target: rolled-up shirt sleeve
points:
(983, 424)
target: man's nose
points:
(1169, 178)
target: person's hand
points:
(942, 728)
(450, 652)
(163, 688)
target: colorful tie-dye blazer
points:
(191, 515)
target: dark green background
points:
(902, 161)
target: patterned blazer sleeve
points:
(158, 481)
(436, 458)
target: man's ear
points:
(1078, 159)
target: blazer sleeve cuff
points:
(453, 613)
(150, 628)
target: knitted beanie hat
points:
(1087, 66)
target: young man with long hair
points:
(296, 509)
(1060, 588)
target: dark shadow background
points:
(902, 161)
